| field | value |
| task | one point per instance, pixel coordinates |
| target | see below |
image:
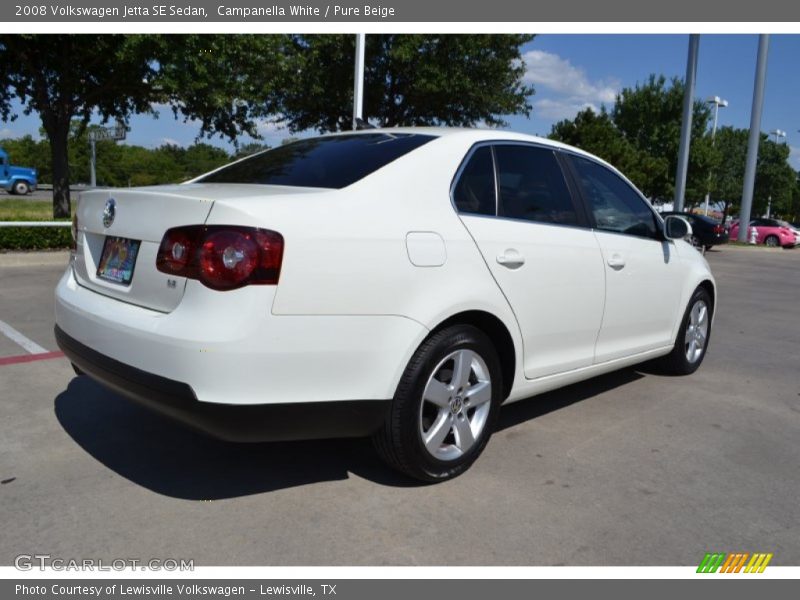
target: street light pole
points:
(778, 134)
(717, 102)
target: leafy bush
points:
(34, 238)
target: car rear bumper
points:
(232, 422)
(225, 350)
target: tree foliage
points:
(641, 136)
(454, 80)
(122, 165)
(222, 82)
(775, 178)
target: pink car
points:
(769, 232)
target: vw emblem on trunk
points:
(109, 212)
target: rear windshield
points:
(324, 162)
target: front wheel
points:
(445, 407)
(692, 341)
(21, 188)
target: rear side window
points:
(324, 162)
(474, 193)
(615, 205)
(532, 186)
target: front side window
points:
(614, 204)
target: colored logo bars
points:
(734, 562)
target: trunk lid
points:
(143, 215)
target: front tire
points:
(445, 407)
(21, 188)
(693, 335)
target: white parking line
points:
(15, 336)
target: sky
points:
(571, 72)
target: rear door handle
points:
(511, 259)
(616, 261)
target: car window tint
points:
(324, 162)
(615, 205)
(532, 186)
(474, 192)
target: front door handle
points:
(511, 259)
(616, 261)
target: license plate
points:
(118, 260)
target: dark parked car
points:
(706, 232)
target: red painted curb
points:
(25, 358)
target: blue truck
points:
(16, 180)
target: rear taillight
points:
(719, 229)
(222, 257)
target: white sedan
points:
(397, 283)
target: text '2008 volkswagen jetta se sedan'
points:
(394, 283)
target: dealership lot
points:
(632, 468)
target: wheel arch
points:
(497, 332)
(709, 286)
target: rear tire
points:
(78, 372)
(445, 407)
(772, 241)
(692, 341)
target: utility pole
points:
(686, 123)
(754, 138)
(358, 85)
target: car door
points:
(534, 237)
(644, 274)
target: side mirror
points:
(676, 228)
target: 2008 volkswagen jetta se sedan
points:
(394, 283)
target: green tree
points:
(454, 80)
(775, 178)
(596, 133)
(793, 214)
(650, 115)
(224, 82)
(641, 136)
(728, 175)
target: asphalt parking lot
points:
(632, 468)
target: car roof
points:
(473, 135)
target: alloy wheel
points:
(455, 405)
(696, 332)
